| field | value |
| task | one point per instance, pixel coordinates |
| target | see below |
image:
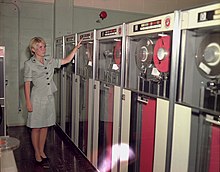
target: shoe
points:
(44, 163)
(45, 159)
(38, 163)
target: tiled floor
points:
(64, 156)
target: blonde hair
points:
(33, 43)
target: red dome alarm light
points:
(102, 15)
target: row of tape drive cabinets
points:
(145, 96)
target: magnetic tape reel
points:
(108, 53)
(161, 56)
(117, 53)
(144, 54)
(208, 56)
(88, 55)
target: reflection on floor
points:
(63, 155)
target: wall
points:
(153, 7)
(19, 21)
(63, 17)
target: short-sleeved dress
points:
(42, 98)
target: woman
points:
(39, 96)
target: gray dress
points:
(42, 98)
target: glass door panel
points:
(105, 134)
(69, 41)
(57, 79)
(84, 70)
(83, 115)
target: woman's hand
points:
(79, 43)
(68, 58)
(29, 107)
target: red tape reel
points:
(162, 54)
(117, 53)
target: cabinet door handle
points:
(213, 121)
(142, 101)
(106, 86)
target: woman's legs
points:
(35, 135)
(38, 136)
(43, 137)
